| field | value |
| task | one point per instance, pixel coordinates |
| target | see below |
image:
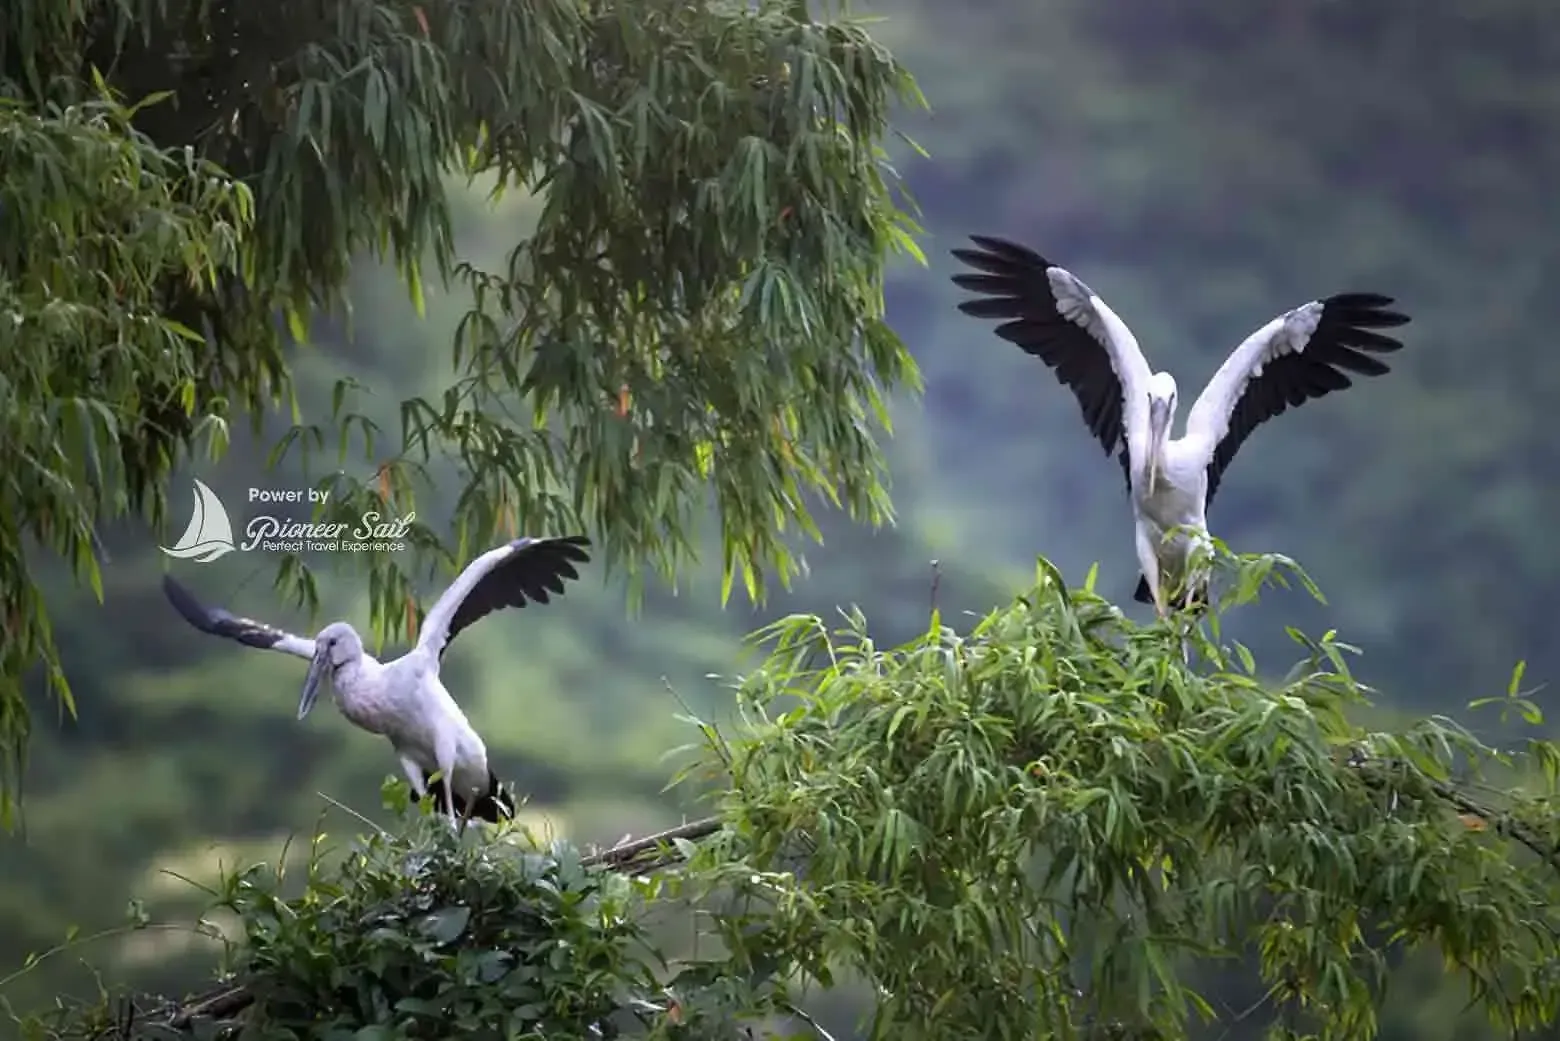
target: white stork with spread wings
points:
(404, 700)
(1297, 356)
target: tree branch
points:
(626, 856)
(1503, 823)
(221, 1003)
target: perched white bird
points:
(404, 700)
(1296, 357)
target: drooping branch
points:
(1503, 823)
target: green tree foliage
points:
(1048, 827)
(96, 223)
(418, 934)
(700, 305)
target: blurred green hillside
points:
(1204, 166)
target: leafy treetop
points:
(700, 306)
(1049, 826)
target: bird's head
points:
(336, 645)
(1161, 405)
(1161, 412)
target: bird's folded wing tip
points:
(574, 546)
(993, 243)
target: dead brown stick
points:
(217, 1004)
(624, 854)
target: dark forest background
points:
(1204, 166)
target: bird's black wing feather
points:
(1177, 603)
(1345, 340)
(535, 573)
(1014, 286)
(217, 622)
(493, 805)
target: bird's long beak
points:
(311, 683)
(1158, 428)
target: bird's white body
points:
(1170, 515)
(1167, 476)
(404, 700)
(1131, 409)
(407, 703)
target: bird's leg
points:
(449, 798)
(444, 752)
(465, 816)
(414, 775)
(1199, 575)
(1148, 562)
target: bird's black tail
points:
(493, 805)
(1177, 603)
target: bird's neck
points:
(348, 679)
(357, 695)
(1155, 460)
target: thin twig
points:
(806, 1017)
(344, 808)
(199, 929)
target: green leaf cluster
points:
(418, 936)
(1051, 825)
(696, 318)
(98, 226)
(428, 934)
(699, 309)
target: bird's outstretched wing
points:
(247, 631)
(1053, 315)
(513, 575)
(1296, 357)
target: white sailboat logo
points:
(209, 535)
